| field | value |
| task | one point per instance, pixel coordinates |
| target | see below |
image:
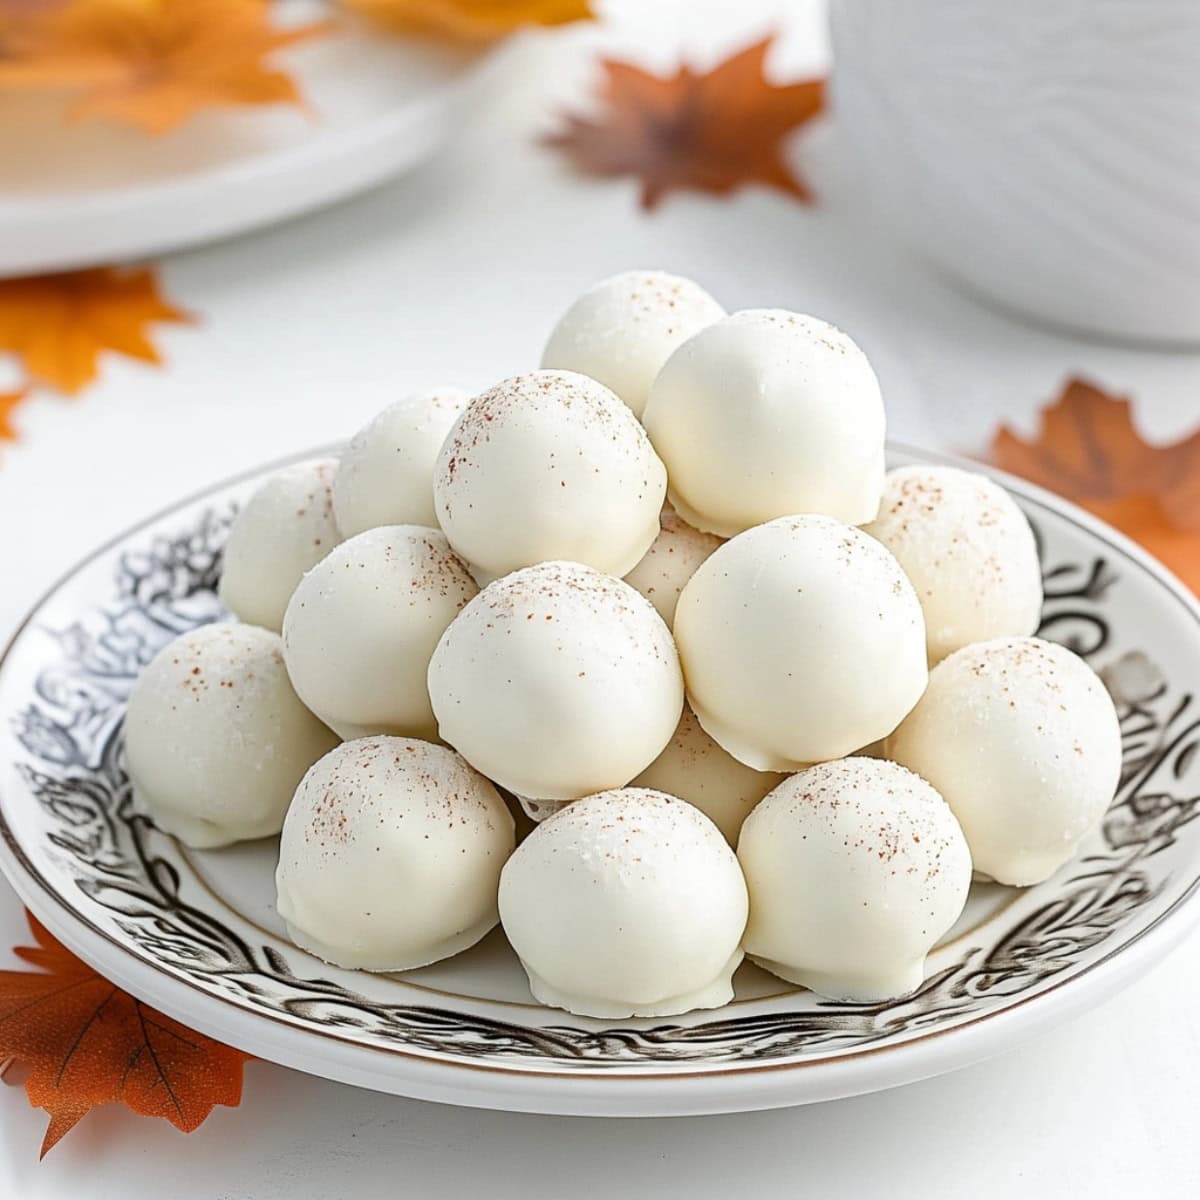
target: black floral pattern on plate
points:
(71, 732)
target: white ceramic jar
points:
(1044, 152)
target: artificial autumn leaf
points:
(18, 18)
(1088, 449)
(24, 9)
(9, 403)
(152, 63)
(469, 20)
(59, 324)
(712, 132)
(85, 1043)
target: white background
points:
(455, 274)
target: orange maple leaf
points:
(9, 403)
(59, 324)
(13, 10)
(1088, 449)
(469, 20)
(86, 1043)
(152, 63)
(712, 132)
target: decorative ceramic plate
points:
(74, 195)
(195, 933)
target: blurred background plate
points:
(84, 194)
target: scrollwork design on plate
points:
(71, 733)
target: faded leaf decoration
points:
(58, 325)
(469, 20)
(85, 1043)
(9, 403)
(151, 63)
(712, 132)
(1088, 449)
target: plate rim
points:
(579, 1091)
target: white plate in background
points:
(96, 192)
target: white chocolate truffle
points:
(765, 414)
(855, 869)
(391, 854)
(627, 903)
(549, 465)
(969, 552)
(801, 640)
(283, 530)
(363, 624)
(694, 768)
(556, 682)
(621, 331)
(670, 562)
(385, 476)
(216, 739)
(1023, 741)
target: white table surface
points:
(456, 274)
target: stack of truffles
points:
(759, 694)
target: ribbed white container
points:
(1045, 152)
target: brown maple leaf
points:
(9, 403)
(59, 324)
(152, 63)
(85, 1043)
(469, 20)
(711, 132)
(1088, 449)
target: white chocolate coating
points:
(969, 552)
(694, 768)
(855, 869)
(391, 854)
(621, 331)
(363, 623)
(538, 810)
(385, 476)
(215, 738)
(670, 562)
(627, 903)
(549, 465)
(283, 530)
(1023, 741)
(801, 640)
(765, 414)
(556, 682)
